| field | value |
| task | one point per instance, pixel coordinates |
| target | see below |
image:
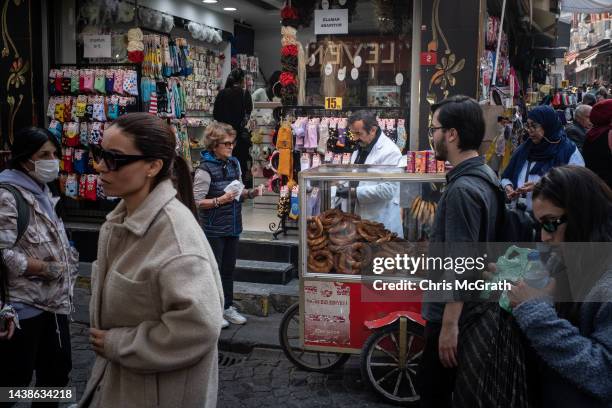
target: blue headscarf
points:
(554, 150)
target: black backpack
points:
(23, 210)
(513, 224)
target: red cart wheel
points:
(289, 336)
(380, 363)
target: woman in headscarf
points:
(548, 146)
(597, 148)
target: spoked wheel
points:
(380, 363)
(289, 336)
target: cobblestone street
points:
(263, 378)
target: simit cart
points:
(338, 313)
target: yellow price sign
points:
(333, 103)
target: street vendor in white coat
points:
(374, 201)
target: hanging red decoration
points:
(287, 78)
(289, 13)
(289, 51)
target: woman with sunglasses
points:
(156, 301)
(39, 267)
(548, 146)
(221, 211)
(573, 338)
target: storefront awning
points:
(586, 6)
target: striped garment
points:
(492, 361)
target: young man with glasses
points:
(467, 213)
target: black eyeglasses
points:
(114, 161)
(227, 144)
(551, 226)
(432, 129)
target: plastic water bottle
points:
(536, 275)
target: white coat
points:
(378, 201)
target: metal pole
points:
(415, 75)
(501, 30)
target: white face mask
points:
(45, 170)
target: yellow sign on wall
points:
(333, 103)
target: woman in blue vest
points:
(220, 211)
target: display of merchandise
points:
(289, 66)
(82, 101)
(164, 98)
(201, 88)
(506, 75)
(247, 63)
(178, 78)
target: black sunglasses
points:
(551, 226)
(227, 144)
(114, 161)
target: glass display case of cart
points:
(356, 213)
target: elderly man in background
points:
(581, 125)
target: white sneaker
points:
(232, 315)
(224, 324)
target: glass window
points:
(369, 66)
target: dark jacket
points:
(578, 359)
(225, 220)
(467, 213)
(576, 133)
(232, 105)
(598, 158)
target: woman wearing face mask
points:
(547, 146)
(220, 212)
(573, 338)
(156, 298)
(40, 266)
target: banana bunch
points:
(423, 211)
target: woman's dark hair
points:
(235, 78)
(155, 138)
(28, 141)
(586, 199)
(465, 115)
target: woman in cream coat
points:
(156, 300)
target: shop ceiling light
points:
(209, 1)
(230, 8)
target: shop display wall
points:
(83, 100)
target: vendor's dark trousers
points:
(436, 383)
(226, 251)
(36, 347)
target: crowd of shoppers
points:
(162, 284)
